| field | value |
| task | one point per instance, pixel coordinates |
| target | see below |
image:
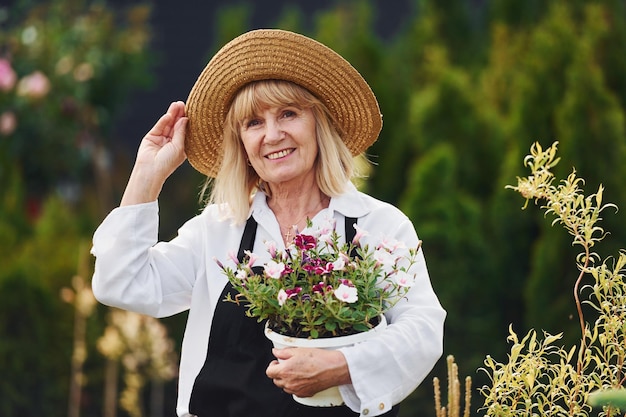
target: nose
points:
(273, 131)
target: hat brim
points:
(277, 54)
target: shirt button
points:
(381, 406)
(366, 411)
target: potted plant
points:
(319, 292)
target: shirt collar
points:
(350, 204)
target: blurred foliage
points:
(465, 87)
(66, 69)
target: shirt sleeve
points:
(386, 369)
(134, 272)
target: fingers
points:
(178, 137)
(283, 354)
(166, 123)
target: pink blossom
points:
(233, 257)
(252, 258)
(359, 234)
(284, 295)
(218, 262)
(293, 292)
(35, 85)
(241, 274)
(321, 287)
(346, 282)
(274, 269)
(7, 75)
(271, 248)
(8, 123)
(346, 294)
(305, 242)
(326, 237)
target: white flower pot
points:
(329, 397)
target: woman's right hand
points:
(161, 151)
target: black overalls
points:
(232, 382)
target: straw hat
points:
(277, 54)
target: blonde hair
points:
(236, 182)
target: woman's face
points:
(280, 143)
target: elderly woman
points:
(275, 119)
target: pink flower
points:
(7, 75)
(346, 294)
(359, 234)
(284, 295)
(271, 248)
(305, 242)
(321, 288)
(8, 123)
(35, 85)
(233, 257)
(291, 293)
(274, 269)
(252, 258)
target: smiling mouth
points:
(279, 154)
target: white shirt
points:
(134, 272)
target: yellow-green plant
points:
(453, 409)
(542, 378)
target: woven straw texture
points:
(277, 54)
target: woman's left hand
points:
(306, 371)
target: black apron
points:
(232, 382)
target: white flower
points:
(346, 294)
(340, 263)
(404, 279)
(391, 244)
(241, 274)
(282, 297)
(274, 269)
(383, 257)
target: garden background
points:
(465, 87)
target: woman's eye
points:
(251, 123)
(289, 113)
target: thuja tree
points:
(541, 377)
